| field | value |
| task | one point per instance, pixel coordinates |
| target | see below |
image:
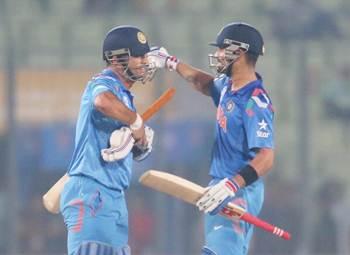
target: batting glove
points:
(160, 58)
(121, 142)
(217, 196)
(140, 151)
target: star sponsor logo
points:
(262, 132)
(262, 125)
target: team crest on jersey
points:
(230, 106)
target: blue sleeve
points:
(97, 87)
(216, 88)
(100, 87)
(258, 123)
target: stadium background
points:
(49, 49)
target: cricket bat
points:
(51, 199)
(190, 192)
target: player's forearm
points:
(110, 106)
(259, 166)
(263, 161)
(200, 80)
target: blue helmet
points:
(123, 39)
(241, 34)
(125, 42)
(233, 37)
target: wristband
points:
(248, 174)
(137, 123)
(171, 63)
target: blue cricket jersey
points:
(244, 123)
(93, 131)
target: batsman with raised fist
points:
(243, 151)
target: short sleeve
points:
(258, 121)
(217, 87)
(99, 88)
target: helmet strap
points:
(228, 70)
(129, 74)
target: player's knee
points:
(97, 248)
(207, 251)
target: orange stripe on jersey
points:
(79, 224)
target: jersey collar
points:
(247, 87)
(110, 73)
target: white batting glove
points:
(160, 58)
(141, 152)
(121, 142)
(217, 196)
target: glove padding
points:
(217, 196)
(160, 58)
(141, 152)
(121, 142)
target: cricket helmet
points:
(123, 42)
(234, 36)
(241, 34)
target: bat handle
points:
(266, 226)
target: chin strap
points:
(228, 70)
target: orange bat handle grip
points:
(158, 104)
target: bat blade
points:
(172, 185)
(182, 189)
(190, 192)
(51, 199)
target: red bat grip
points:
(266, 226)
